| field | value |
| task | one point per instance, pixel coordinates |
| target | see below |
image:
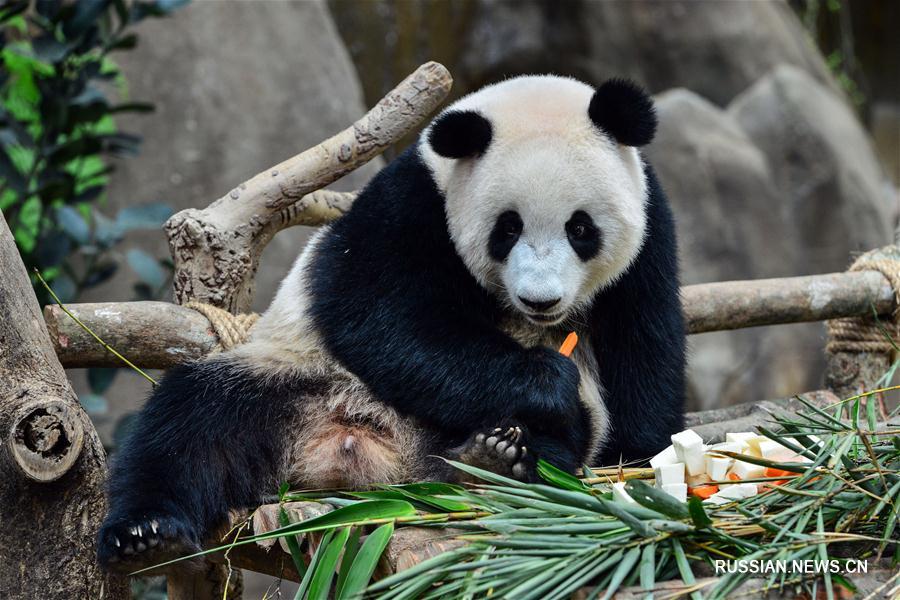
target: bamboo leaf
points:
(560, 478)
(698, 514)
(351, 548)
(365, 562)
(622, 571)
(684, 568)
(648, 570)
(303, 590)
(655, 499)
(320, 585)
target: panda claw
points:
(118, 543)
(154, 526)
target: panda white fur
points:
(426, 321)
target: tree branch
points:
(216, 250)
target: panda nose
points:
(540, 305)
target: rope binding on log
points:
(231, 330)
(866, 333)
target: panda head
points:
(545, 191)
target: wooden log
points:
(740, 304)
(159, 334)
(154, 335)
(52, 464)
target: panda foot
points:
(501, 451)
(145, 541)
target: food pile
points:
(713, 472)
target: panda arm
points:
(639, 337)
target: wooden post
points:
(52, 465)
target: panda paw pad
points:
(500, 451)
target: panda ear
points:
(624, 110)
(460, 134)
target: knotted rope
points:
(866, 334)
(231, 330)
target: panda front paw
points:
(145, 541)
(500, 451)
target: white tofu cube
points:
(736, 447)
(666, 457)
(746, 470)
(689, 449)
(620, 495)
(742, 438)
(717, 467)
(696, 480)
(669, 474)
(718, 499)
(738, 491)
(773, 450)
(677, 491)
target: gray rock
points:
(714, 48)
(238, 87)
(730, 227)
(822, 163)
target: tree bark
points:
(52, 465)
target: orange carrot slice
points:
(733, 477)
(703, 491)
(773, 472)
(569, 344)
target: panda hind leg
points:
(502, 451)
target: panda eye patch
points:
(505, 234)
(584, 237)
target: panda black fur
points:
(425, 322)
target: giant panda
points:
(425, 323)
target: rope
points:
(231, 330)
(866, 334)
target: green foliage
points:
(57, 134)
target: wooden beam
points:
(157, 335)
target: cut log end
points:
(46, 440)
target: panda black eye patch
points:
(583, 235)
(505, 234)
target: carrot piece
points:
(569, 344)
(733, 477)
(773, 472)
(703, 491)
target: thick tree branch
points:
(159, 335)
(216, 250)
(52, 465)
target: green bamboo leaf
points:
(320, 584)
(639, 527)
(684, 567)
(655, 499)
(485, 475)
(351, 548)
(560, 478)
(648, 570)
(622, 571)
(365, 562)
(292, 543)
(823, 555)
(698, 514)
(303, 590)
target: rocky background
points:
(765, 146)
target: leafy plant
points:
(57, 133)
(550, 540)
